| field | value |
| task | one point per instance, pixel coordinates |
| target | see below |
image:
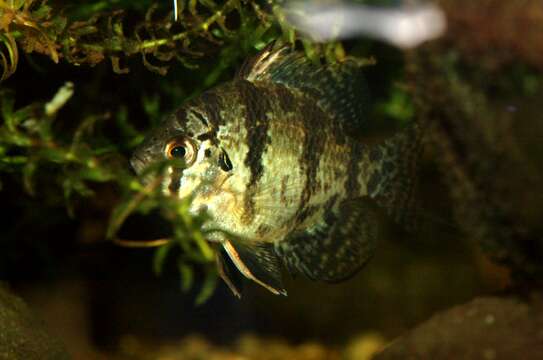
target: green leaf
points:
(208, 287)
(28, 176)
(42, 12)
(151, 107)
(127, 130)
(59, 24)
(399, 106)
(187, 275)
(160, 257)
(7, 104)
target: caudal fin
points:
(392, 181)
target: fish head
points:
(186, 135)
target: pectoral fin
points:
(257, 262)
(337, 247)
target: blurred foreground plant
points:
(30, 147)
(186, 233)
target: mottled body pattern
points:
(301, 190)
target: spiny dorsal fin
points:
(257, 262)
(258, 67)
(339, 88)
(338, 247)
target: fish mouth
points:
(137, 164)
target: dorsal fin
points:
(339, 88)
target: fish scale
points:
(302, 189)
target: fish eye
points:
(181, 148)
(178, 151)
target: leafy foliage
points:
(93, 32)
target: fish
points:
(275, 160)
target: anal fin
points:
(337, 247)
(257, 262)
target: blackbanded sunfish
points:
(273, 159)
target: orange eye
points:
(183, 149)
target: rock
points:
(486, 328)
(22, 336)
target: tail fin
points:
(392, 181)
